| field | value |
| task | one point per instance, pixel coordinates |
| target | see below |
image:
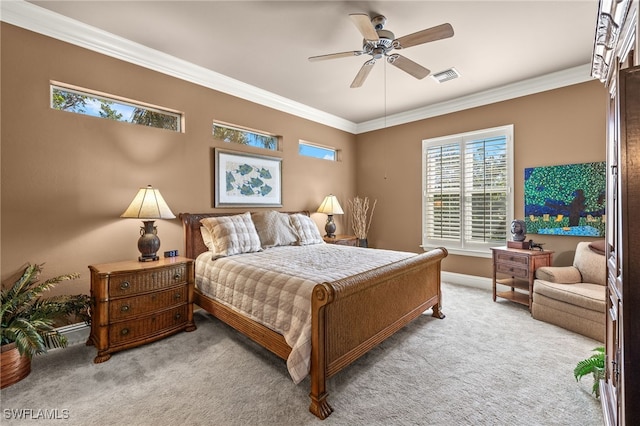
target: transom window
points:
(95, 104)
(244, 136)
(309, 149)
(467, 190)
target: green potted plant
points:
(592, 365)
(27, 320)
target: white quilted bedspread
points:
(273, 287)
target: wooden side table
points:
(343, 240)
(134, 303)
(518, 266)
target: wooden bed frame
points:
(349, 316)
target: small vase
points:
(362, 242)
(14, 367)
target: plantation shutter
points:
(467, 197)
(444, 189)
(485, 190)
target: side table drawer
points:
(129, 284)
(124, 332)
(120, 309)
(516, 270)
(512, 258)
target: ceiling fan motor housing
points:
(379, 47)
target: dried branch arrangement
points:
(360, 216)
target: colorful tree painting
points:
(565, 200)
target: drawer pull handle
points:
(178, 316)
(177, 296)
(124, 308)
(124, 331)
(177, 276)
(125, 285)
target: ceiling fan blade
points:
(424, 36)
(364, 25)
(336, 55)
(363, 73)
(408, 66)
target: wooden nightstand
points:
(519, 265)
(343, 240)
(134, 303)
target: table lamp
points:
(148, 204)
(330, 206)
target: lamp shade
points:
(330, 206)
(148, 204)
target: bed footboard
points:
(348, 317)
(353, 315)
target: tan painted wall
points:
(561, 126)
(66, 178)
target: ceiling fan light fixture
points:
(446, 75)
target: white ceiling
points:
(266, 44)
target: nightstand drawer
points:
(342, 240)
(352, 242)
(129, 284)
(134, 306)
(513, 269)
(121, 333)
(513, 258)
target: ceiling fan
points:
(379, 43)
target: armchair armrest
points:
(559, 274)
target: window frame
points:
(464, 246)
(335, 151)
(106, 97)
(277, 139)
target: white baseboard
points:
(75, 333)
(468, 280)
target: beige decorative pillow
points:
(307, 230)
(207, 238)
(274, 229)
(232, 234)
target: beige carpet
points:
(486, 363)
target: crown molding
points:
(51, 24)
(579, 74)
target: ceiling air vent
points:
(446, 75)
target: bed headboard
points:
(193, 243)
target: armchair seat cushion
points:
(584, 295)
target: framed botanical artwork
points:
(247, 180)
(566, 200)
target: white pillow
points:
(232, 234)
(307, 230)
(274, 229)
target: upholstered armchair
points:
(573, 297)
